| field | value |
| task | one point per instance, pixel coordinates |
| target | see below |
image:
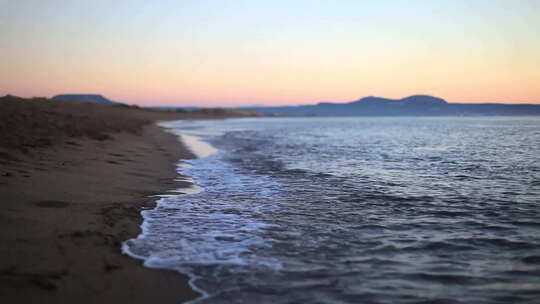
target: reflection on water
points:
(356, 210)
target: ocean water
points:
(355, 210)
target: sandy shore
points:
(66, 206)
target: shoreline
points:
(198, 149)
(61, 242)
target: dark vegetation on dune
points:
(38, 122)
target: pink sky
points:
(193, 53)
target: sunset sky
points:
(224, 53)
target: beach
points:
(71, 195)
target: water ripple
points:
(393, 210)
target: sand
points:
(67, 204)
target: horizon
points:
(240, 53)
(280, 105)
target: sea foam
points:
(191, 227)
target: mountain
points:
(415, 105)
(93, 98)
(414, 100)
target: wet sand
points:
(68, 204)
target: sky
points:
(231, 53)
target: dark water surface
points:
(356, 210)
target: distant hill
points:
(414, 100)
(415, 105)
(93, 98)
(172, 108)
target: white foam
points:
(201, 149)
(190, 230)
(196, 146)
(193, 189)
(193, 142)
(146, 262)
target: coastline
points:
(194, 148)
(61, 241)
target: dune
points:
(73, 180)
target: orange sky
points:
(245, 52)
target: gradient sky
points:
(222, 53)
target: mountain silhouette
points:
(411, 100)
(93, 98)
(415, 105)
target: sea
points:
(353, 210)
